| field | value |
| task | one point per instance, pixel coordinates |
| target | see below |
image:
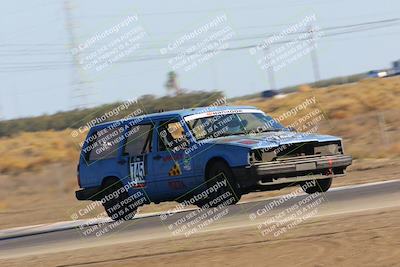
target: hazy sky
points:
(39, 75)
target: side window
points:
(138, 140)
(172, 137)
(104, 143)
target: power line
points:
(254, 36)
(12, 66)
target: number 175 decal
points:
(137, 171)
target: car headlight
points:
(329, 149)
(262, 155)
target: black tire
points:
(321, 185)
(218, 172)
(114, 207)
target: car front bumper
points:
(291, 170)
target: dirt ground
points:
(353, 239)
(48, 196)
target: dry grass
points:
(30, 151)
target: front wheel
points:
(221, 178)
(320, 186)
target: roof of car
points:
(181, 112)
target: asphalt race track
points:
(54, 238)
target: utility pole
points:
(1, 109)
(79, 86)
(270, 70)
(314, 55)
(215, 75)
(16, 100)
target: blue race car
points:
(199, 156)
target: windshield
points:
(232, 124)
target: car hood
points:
(270, 139)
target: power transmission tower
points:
(172, 84)
(79, 85)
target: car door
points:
(173, 168)
(135, 162)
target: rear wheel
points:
(114, 196)
(228, 192)
(321, 185)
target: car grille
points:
(297, 150)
